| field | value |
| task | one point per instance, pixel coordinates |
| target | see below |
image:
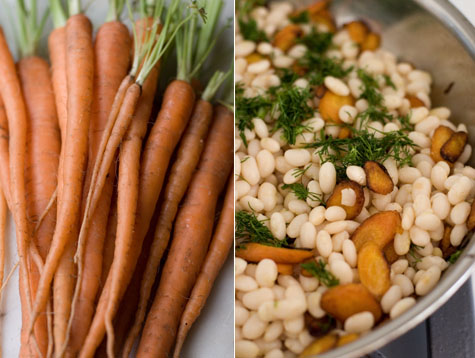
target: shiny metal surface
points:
(434, 36)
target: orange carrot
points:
(10, 90)
(112, 58)
(254, 252)
(192, 232)
(3, 223)
(79, 69)
(128, 181)
(188, 155)
(218, 252)
(109, 244)
(175, 112)
(57, 52)
(43, 149)
(4, 156)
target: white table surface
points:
(213, 333)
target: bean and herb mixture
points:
(352, 191)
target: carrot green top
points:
(29, 28)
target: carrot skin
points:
(4, 154)
(3, 227)
(219, 248)
(11, 93)
(192, 233)
(165, 134)
(43, 150)
(57, 52)
(111, 62)
(80, 69)
(128, 189)
(188, 155)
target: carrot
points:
(162, 140)
(10, 90)
(112, 58)
(158, 150)
(221, 243)
(3, 223)
(192, 232)
(285, 269)
(43, 149)
(129, 169)
(109, 244)
(188, 155)
(79, 68)
(254, 252)
(4, 156)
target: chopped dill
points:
(245, 159)
(361, 147)
(298, 172)
(302, 193)
(454, 257)
(317, 42)
(292, 108)
(250, 229)
(249, 108)
(376, 111)
(319, 271)
(247, 25)
(301, 18)
(389, 82)
(413, 253)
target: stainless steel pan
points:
(436, 37)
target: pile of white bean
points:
(270, 307)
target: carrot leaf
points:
(214, 83)
(58, 15)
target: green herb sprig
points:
(250, 229)
(319, 271)
(454, 257)
(363, 146)
(302, 193)
(249, 108)
(247, 25)
(301, 18)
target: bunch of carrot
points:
(84, 159)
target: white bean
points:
(428, 221)
(307, 235)
(390, 298)
(337, 86)
(244, 48)
(420, 139)
(421, 186)
(402, 243)
(267, 195)
(347, 113)
(294, 325)
(317, 215)
(421, 203)
(457, 234)
(309, 284)
(335, 213)
(349, 252)
(342, 271)
(407, 217)
(250, 203)
(293, 230)
(419, 236)
(460, 190)
(246, 349)
(338, 239)
(402, 306)
(356, 174)
(418, 115)
(252, 300)
(258, 67)
(336, 227)
(239, 266)
(298, 206)
(250, 171)
(266, 273)
(254, 327)
(399, 266)
(313, 304)
(428, 280)
(324, 243)
(429, 261)
(460, 212)
(270, 144)
(245, 283)
(327, 177)
(241, 315)
(273, 331)
(407, 175)
(407, 288)
(359, 322)
(440, 205)
(277, 225)
(297, 157)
